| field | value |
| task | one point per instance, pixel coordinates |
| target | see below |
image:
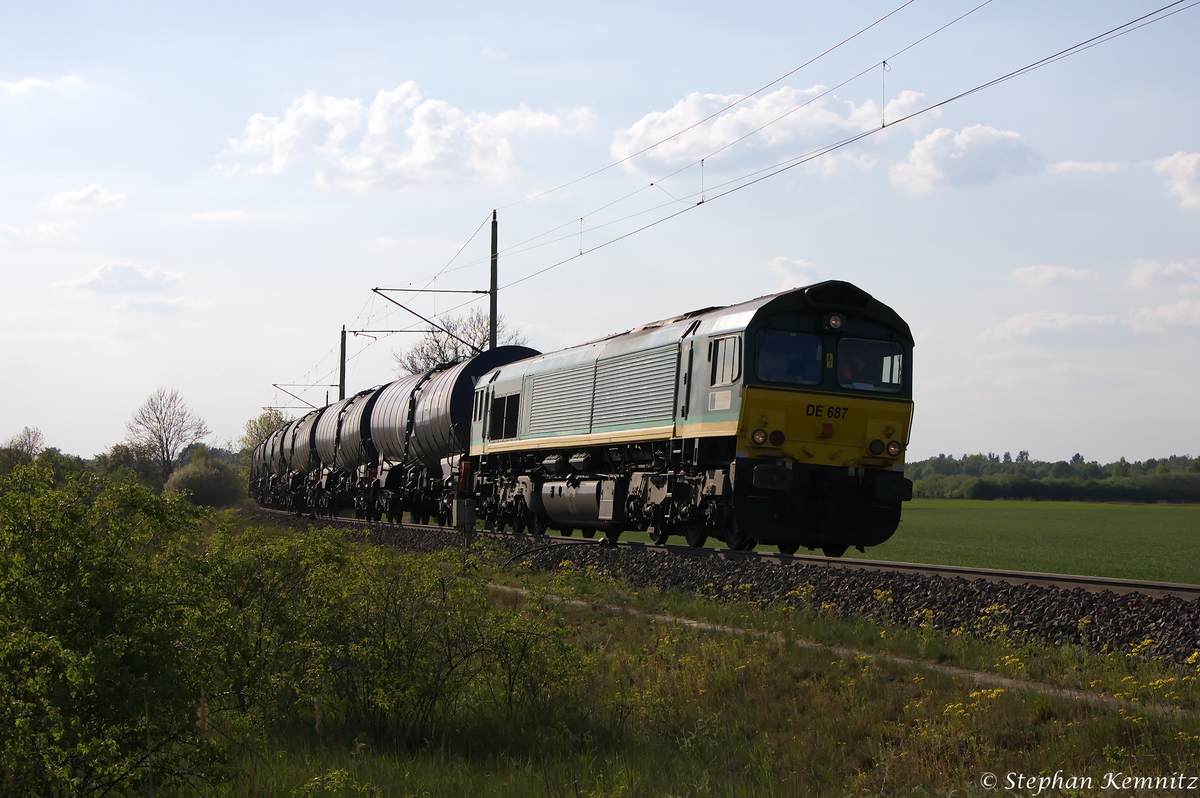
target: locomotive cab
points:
(824, 421)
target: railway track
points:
(1091, 584)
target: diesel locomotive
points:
(783, 420)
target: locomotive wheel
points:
(694, 534)
(588, 533)
(659, 535)
(789, 548)
(736, 539)
(834, 551)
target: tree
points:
(165, 425)
(437, 348)
(258, 428)
(210, 482)
(30, 442)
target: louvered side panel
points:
(561, 402)
(636, 390)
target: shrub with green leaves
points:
(309, 632)
(210, 483)
(140, 643)
(94, 689)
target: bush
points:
(137, 644)
(370, 643)
(90, 668)
(210, 483)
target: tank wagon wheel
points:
(567, 531)
(789, 548)
(694, 534)
(834, 551)
(659, 534)
(525, 520)
(612, 535)
(738, 540)
(588, 533)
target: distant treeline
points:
(1173, 479)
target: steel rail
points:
(1092, 584)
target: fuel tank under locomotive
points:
(817, 506)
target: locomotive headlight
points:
(875, 447)
(759, 436)
(894, 448)
(777, 437)
(834, 321)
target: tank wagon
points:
(783, 420)
(382, 452)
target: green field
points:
(1155, 541)
(1129, 541)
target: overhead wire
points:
(752, 178)
(769, 172)
(826, 92)
(657, 183)
(717, 113)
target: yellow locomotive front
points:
(826, 408)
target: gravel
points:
(1100, 622)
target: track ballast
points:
(1097, 613)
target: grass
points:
(662, 710)
(667, 711)
(1154, 542)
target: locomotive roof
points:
(828, 295)
(831, 295)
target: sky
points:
(200, 197)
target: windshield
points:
(789, 357)
(869, 365)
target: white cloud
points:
(28, 85)
(158, 305)
(219, 216)
(91, 198)
(1183, 176)
(1043, 321)
(978, 154)
(789, 114)
(47, 231)
(8, 234)
(1092, 329)
(312, 125)
(1068, 167)
(793, 273)
(399, 139)
(1034, 276)
(1182, 314)
(1147, 273)
(52, 231)
(114, 278)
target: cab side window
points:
(506, 411)
(725, 360)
